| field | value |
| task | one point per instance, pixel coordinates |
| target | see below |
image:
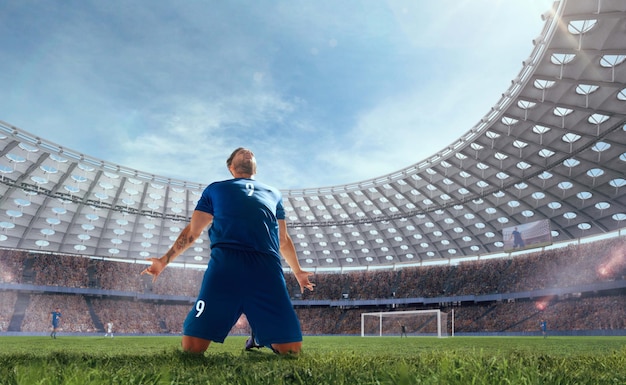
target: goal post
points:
(400, 323)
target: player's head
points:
(241, 163)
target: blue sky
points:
(324, 92)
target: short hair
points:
(229, 161)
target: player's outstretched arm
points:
(199, 221)
(288, 251)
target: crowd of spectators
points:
(185, 282)
(7, 304)
(74, 310)
(129, 316)
(11, 265)
(60, 270)
(117, 276)
(568, 266)
(563, 267)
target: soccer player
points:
(403, 330)
(248, 235)
(544, 328)
(109, 330)
(518, 241)
(55, 318)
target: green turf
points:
(324, 360)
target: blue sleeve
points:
(204, 203)
(280, 209)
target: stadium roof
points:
(552, 149)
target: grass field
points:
(324, 360)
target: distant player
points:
(403, 330)
(109, 332)
(518, 241)
(55, 318)
(544, 328)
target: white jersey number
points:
(199, 308)
(250, 188)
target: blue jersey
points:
(55, 317)
(245, 215)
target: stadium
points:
(548, 161)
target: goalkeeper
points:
(248, 235)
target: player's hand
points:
(155, 269)
(303, 280)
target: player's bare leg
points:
(287, 348)
(195, 345)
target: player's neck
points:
(243, 176)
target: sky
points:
(324, 92)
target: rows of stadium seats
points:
(574, 265)
(594, 313)
(568, 266)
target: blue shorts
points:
(237, 282)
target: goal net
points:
(400, 323)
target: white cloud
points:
(194, 139)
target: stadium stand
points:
(568, 287)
